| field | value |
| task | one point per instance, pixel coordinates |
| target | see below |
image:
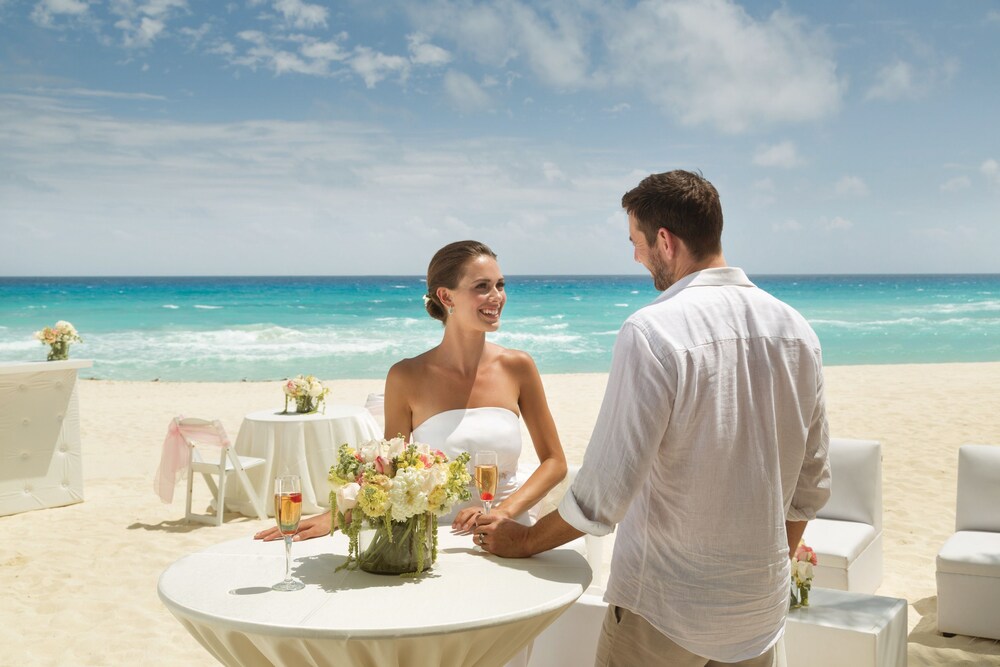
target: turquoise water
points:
(264, 328)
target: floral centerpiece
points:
(387, 496)
(802, 574)
(307, 391)
(58, 339)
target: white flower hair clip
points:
(427, 300)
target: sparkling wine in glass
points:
(486, 477)
(287, 512)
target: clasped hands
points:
(495, 532)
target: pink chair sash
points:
(176, 455)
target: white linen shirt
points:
(711, 434)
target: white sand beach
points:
(79, 582)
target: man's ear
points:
(667, 243)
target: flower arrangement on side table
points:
(307, 391)
(58, 339)
(394, 492)
(802, 574)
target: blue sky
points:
(171, 137)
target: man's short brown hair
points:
(682, 202)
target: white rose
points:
(371, 450)
(396, 447)
(347, 496)
(423, 448)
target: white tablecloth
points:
(303, 445)
(40, 456)
(471, 608)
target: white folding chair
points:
(213, 455)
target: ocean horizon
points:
(232, 328)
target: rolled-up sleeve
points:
(629, 430)
(813, 487)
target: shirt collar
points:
(718, 277)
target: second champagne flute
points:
(486, 477)
(287, 512)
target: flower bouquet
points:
(386, 498)
(802, 574)
(58, 339)
(307, 391)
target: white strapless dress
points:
(471, 430)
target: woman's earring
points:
(451, 309)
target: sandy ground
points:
(79, 582)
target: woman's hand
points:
(466, 519)
(315, 526)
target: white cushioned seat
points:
(971, 552)
(968, 565)
(847, 532)
(840, 542)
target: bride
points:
(468, 394)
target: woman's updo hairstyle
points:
(445, 270)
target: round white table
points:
(470, 608)
(305, 445)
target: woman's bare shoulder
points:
(516, 361)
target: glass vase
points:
(58, 351)
(304, 404)
(407, 547)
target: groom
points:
(709, 452)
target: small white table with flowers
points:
(471, 608)
(298, 444)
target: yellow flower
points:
(373, 500)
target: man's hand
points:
(502, 536)
(316, 526)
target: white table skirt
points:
(471, 608)
(303, 445)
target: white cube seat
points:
(847, 532)
(968, 565)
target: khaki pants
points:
(628, 640)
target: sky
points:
(287, 137)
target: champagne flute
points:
(287, 512)
(486, 477)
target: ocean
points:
(268, 328)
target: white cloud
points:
(991, 170)
(44, 12)
(851, 186)
(786, 226)
(142, 24)
(621, 107)
(783, 154)
(373, 66)
(553, 173)
(893, 81)
(956, 184)
(422, 53)
(709, 62)
(465, 94)
(300, 14)
(328, 51)
(837, 224)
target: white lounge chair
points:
(968, 565)
(847, 533)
